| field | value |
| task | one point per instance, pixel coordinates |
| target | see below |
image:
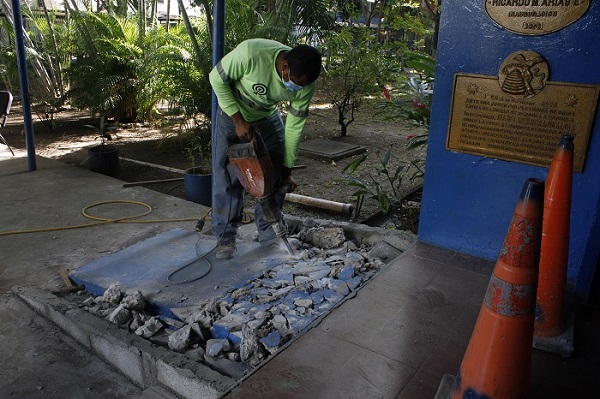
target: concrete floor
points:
(396, 339)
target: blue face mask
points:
(289, 84)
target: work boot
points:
(225, 248)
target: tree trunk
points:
(341, 121)
(168, 15)
(55, 66)
(190, 31)
(208, 15)
(39, 68)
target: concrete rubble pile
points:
(234, 333)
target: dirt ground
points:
(165, 145)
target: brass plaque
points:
(522, 123)
(535, 17)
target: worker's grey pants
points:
(227, 192)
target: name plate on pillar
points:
(535, 17)
(520, 118)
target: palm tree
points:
(107, 57)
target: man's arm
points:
(230, 68)
(294, 125)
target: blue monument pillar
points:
(512, 76)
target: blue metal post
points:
(218, 46)
(24, 84)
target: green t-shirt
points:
(246, 80)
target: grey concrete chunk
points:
(112, 294)
(230, 368)
(120, 315)
(149, 328)
(324, 237)
(134, 301)
(196, 354)
(180, 339)
(339, 286)
(249, 350)
(214, 347)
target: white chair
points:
(6, 99)
(5, 104)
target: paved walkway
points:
(396, 339)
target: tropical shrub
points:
(351, 72)
(410, 98)
(172, 73)
(103, 75)
(384, 184)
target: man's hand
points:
(243, 129)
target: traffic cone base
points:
(562, 344)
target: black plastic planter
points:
(104, 159)
(198, 185)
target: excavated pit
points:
(244, 311)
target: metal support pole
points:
(218, 45)
(24, 84)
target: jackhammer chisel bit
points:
(273, 215)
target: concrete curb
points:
(145, 364)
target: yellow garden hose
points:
(126, 219)
(247, 218)
(102, 220)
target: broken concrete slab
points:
(274, 302)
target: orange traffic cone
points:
(497, 361)
(550, 317)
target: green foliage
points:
(103, 76)
(352, 71)
(117, 74)
(8, 57)
(41, 64)
(170, 72)
(406, 16)
(198, 149)
(294, 21)
(116, 67)
(410, 98)
(102, 130)
(289, 22)
(383, 185)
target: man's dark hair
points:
(304, 60)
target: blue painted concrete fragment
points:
(272, 340)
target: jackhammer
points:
(254, 169)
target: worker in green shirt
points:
(249, 83)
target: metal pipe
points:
(145, 182)
(319, 203)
